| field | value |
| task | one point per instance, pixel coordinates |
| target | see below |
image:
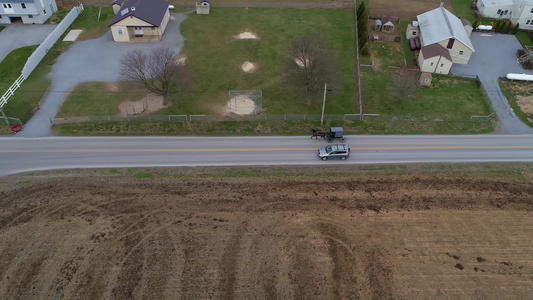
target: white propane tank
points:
(523, 77)
(171, 6)
(415, 23)
(484, 27)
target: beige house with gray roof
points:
(439, 26)
(139, 20)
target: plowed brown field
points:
(267, 233)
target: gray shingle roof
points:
(440, 24)
(150, 11)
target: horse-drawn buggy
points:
(334, 133)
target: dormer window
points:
(23, 5)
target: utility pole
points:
(323, 104)
(5, 117)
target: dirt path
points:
(249, 236)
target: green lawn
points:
(449, 98)
(409, 55)
(89, 23)
(514, 89)
(463, 10)
(103, 101)
(214, 57)
(524, 38)
(21, 104)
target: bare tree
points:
(159, 71)
(404, 84)
(311, 65)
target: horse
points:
(318, 134)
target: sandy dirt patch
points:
(526, 104)
(242, 105)
(249, 67)
(112, 86)
(151, 103)
(247, 35)
(261, 237)
(301, 63)
(181, 59)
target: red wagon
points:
(16, 128)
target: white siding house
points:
(518, 11)
(497, 9)
(27, 11)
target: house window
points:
(441, 65)
(499, 12)
(44, 11)
(506, 12)
(450, 43)
(426, 80)
(30, 16)
(414, 32)
(153, 27)
(461, 52)
(431, 65)
(531, 11)
(7, 5)
(23, 5)
(529, 22)
(120, 32)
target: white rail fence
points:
(39, 53)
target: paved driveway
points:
(495, 56)
(16, 36)
(93, 60)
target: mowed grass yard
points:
(449, 97)
(215, 56)
(214, 59)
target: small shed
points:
(425, 79)
(387, 24)
(203, 7)
(467, 26)
(413, 30)
(377, 25)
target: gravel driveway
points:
(16, 36)
(92, 60)
(495, 56)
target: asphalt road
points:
(29, 154)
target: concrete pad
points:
(72, 35)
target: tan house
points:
(434, 58)
(139, 20)
(387, 24)
(439, 26)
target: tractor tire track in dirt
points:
(288, 237)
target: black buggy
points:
(334, 133)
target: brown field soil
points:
(406, 10)
(265, 233)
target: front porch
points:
(144, 38)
